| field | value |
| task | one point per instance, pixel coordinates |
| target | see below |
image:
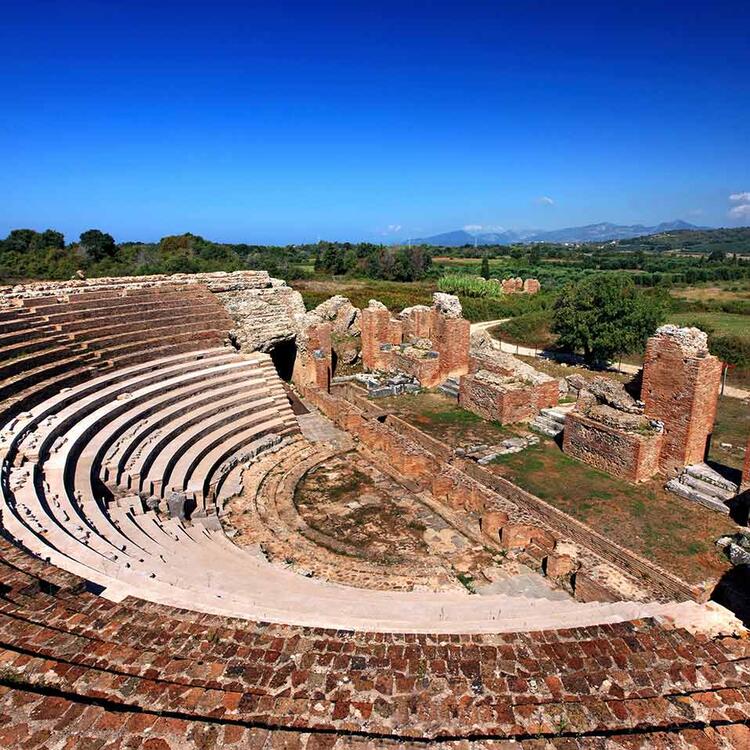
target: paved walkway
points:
(526, 351)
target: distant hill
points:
(603, 232)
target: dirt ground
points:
(359, 513)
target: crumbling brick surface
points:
(430, 343)
(629, 455)
(503, 388)
(518, 285)
(745, 482)
(493, 398)
(681, 388)
(313, 363)
(379, 335)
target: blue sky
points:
(289, 121)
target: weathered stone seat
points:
(175, 458)
(153, 438)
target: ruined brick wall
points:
(745, 482)
(378, 329)
(450, 338)
(440, 327)
(526, 392)
(512, 285)
(312, 365)
(417, 322)
(623, 454)
(681, 388)
(493, 402)
(425, 369)
(518, 285)
(547, 394)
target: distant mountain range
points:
(590, 233)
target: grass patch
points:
(531, 329)
(721, 323)
(732, 426)
(644, 518)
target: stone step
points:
(706, 474)
(555, 415)
(690, 493)
(546, 426)
(712, 490)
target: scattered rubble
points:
(384, 384)
(484, 454)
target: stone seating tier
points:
(53, 342)
(190, 641)
(76, 663)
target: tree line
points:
(29, 254)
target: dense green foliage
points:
(706, 256)
(391, 263)
(466, 285)
(606, 315)
(734, 350)
(734, 240)
(485, 272)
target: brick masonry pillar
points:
(450, 338)
(377, 329)
(745, 482)
(681, 388)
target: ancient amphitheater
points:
(163, 588)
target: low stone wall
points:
(435, 447)
(656, 579)
(628, 455)
(537, 532)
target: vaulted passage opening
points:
(283, 356)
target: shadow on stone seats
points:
(283, 356)
(733, 592)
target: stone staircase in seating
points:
(450, 388)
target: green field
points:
(715, 322)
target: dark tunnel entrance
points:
(283, 356)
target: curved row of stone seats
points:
(630, 685)
(36, 359)
(52, 509)
(47, 494)
(276, 594)
(52, 342)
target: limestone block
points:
(493, 522)
(558, 566)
